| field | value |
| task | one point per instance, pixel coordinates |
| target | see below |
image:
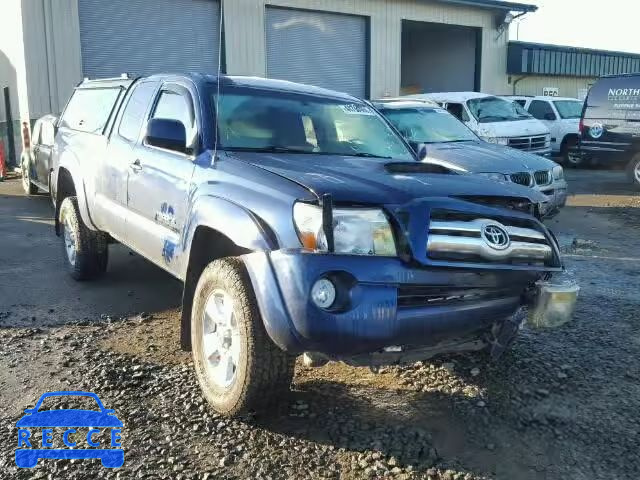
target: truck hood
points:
(373, 181)
(515, 128)
(478, 156)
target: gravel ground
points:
(562, 404)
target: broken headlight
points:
(356, 231)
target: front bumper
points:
(556, 194)
(377, 313)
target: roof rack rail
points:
(123, 76)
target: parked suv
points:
(610, 123)
(495, 120)
(299, 221)
(561, 115)
(448, 142)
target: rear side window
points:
(542, 110)
(89, 109)
(136, 107)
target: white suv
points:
(561, 115)
(495, 120)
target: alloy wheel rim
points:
(69, 243)
(636, 171)
(220, 339)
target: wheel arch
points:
(217, 228)
(68, 182)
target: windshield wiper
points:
(271, 149)
(363, 154)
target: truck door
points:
(543, 111)
(159, 180)
(42, 153)
(115, 167)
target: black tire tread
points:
(269, 369)
(92, 251)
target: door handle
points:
(135, 165)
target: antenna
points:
(217, 114)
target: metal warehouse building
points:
(369, 48)
(534, 68)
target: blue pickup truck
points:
(300, 222)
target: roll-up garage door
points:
(324, 49)
(148, 36)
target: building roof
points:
(495, 4)
(526, 58)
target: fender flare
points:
(232, 220)
(74, 170)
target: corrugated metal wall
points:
(567, 86)
(244, 23)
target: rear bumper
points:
(377, 313)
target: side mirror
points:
(109, 411)
(422, 151)
(30, 410)
(549, 116)
(166, 133)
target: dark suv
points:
(610, 123)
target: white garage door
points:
(324, 49)
(142, 37)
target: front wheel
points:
(237, 365)
(569, 156)
(85, 251)
(633, 170)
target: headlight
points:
(558, 172)
(493, 176)
(497, 140)
(357, 231)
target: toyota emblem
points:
(496, 236)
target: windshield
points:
(264, 120)
(428, 125)
(569, 108)
(494, 109)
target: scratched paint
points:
(168, 251)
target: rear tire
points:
(85, 251)
(633, 170)
(237, 365)
(28, 187)
(570, 159)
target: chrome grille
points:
(462, 240)
(543, 177)
(521, 178)
(528, 143)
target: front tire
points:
(568, 158)
(85, 251)
(237, 365)
(633, 170)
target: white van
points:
(495, 120)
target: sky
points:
(599, 24)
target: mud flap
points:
(506, 333)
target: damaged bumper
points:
(381, 302)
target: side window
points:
(133, 115)
(458, 111)
(541, 110)
(89, 109)
(47, 134)
(175, 107)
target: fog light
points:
(323, 293)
